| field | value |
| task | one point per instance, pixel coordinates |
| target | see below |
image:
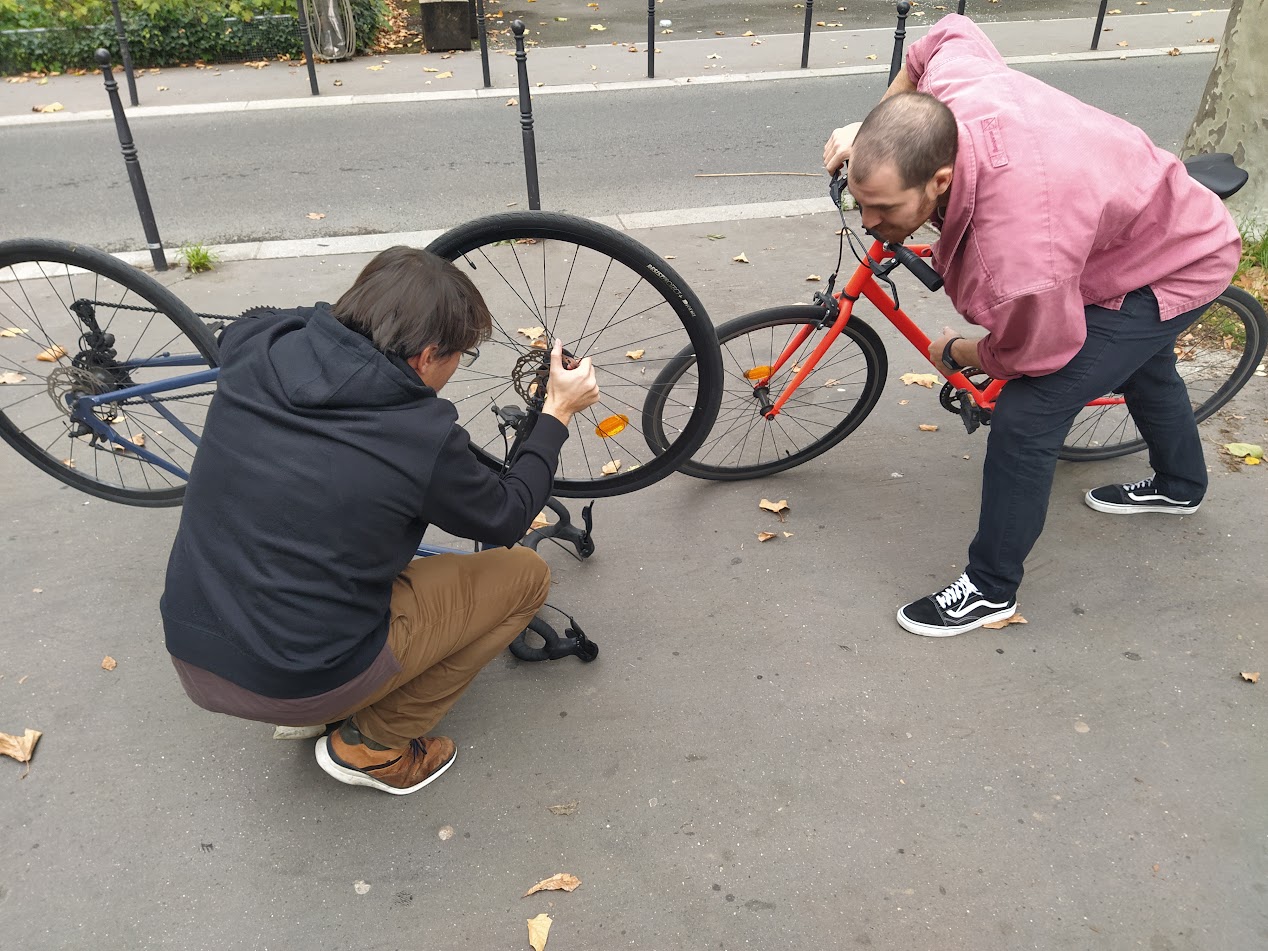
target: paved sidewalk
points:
(760, 757)
(572, 69)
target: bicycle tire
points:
(855, 364)
(1211, 360)
(39, 280)
(600, 267)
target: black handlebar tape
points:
(913, 262)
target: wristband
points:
(948, 360)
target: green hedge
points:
(174, 33)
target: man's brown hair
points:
(407, 299)
(913, 131)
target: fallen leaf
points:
(928, 428)
(532, 333)
(711, 237)
(564, 808)
(871, 56)
(561, 19)
(19, 747)
(539, 521)
(779, 508)
(813, 277)
(445, 833)
(598, 27)
(162, 88)
(12, 331)
(512, 102)
(713, 56)
(765, 536)
(562, 882)
(445, 75)
(1245, 450)
(374, 69)
(108, 663)
(903, 402)
(1081, 727)
(612, 468)
(635, 354)
(1250, 676)
(360, 887)
(1174, 51)
(11, 376)
(51, 354)
(338, 82)
(831, 383)
(748, 33)
(1122, 42)
(740, 258)
(430, 69)
(927, 380)
(51, 107)
(257, 64)
(316, 215)
(138, 440)
(787, 534)
(538, 929)
(998, 625)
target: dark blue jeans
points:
(1130, 351)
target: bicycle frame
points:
(862, 284)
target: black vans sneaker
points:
(957, 608)
(1136, 497)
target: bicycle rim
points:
(609, 298)
(46, 361)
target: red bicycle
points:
(800, 378)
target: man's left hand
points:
(964, 351)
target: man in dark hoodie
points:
(292, 596)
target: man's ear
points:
(941, 180)
(421, 361)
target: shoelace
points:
(955, 591)
(1133, 486)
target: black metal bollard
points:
(124, 52)
(152, 240)
(960, 8)
(1100, 22)
(651, 39)
(526, 117)
(482, 30)
(805, 39)
(900, 34)
(302, 22)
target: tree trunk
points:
(1233, 116)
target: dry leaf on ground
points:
(360, 887)
(564, 808)
(741, 258)
(635, 354)
(12, 331)
(21, 747)
(1244, 450)
(138, 440)
(51, 354)
(813, 277)
(997, 625)
(928, 428)
(765, 536)
(538, 930)
(779, 508)
(612, 468)
(316, 215)
(539, 521)
(532, 333)
(562, 882)
(108, 663)
(788, 534)
(11, 377)
(50, 107)
(1250, 676)
(927, 380)
(445, 75)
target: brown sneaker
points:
(395, 771)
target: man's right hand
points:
(838, 148)
(571, 388)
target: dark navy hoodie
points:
(321, 464)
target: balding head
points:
(911, 131)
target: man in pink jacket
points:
(1081, 249)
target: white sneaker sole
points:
(928, 630)
(1120, 508)
(354, 777)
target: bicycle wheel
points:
(75, 321)
(1215, 357)
(547, 276)
(829, 404)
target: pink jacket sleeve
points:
(1034, 334)
(952, 36)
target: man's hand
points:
(572, 388)
(963, 350)
(838, 148)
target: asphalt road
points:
(380, 168)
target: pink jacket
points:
(1056, 205)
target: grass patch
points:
(198, 258)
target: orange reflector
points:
(757, 373)
(612, 426)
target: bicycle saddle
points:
(1217, 172)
